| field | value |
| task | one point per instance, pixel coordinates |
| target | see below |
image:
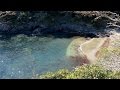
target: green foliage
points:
(61, 74)
(88, 72)
(103, 52)
(82, 72)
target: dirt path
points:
(91, 47)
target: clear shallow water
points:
(24, 57)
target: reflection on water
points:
(23, 57)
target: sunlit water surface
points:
(24, 57)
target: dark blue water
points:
(25, 57)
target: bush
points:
(82, 72)
(57, 75)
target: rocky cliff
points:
(59, 23)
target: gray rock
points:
(37, 31)
(4, 27)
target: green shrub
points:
(61, 74)
(82, 72)
(88, 72)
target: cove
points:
(23, 57)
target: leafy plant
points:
(82, 72)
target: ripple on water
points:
(25, 58)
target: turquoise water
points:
(23, 57)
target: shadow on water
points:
(57, 34)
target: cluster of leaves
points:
(82, 72)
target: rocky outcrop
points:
(58, 23)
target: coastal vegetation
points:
(82, 72)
